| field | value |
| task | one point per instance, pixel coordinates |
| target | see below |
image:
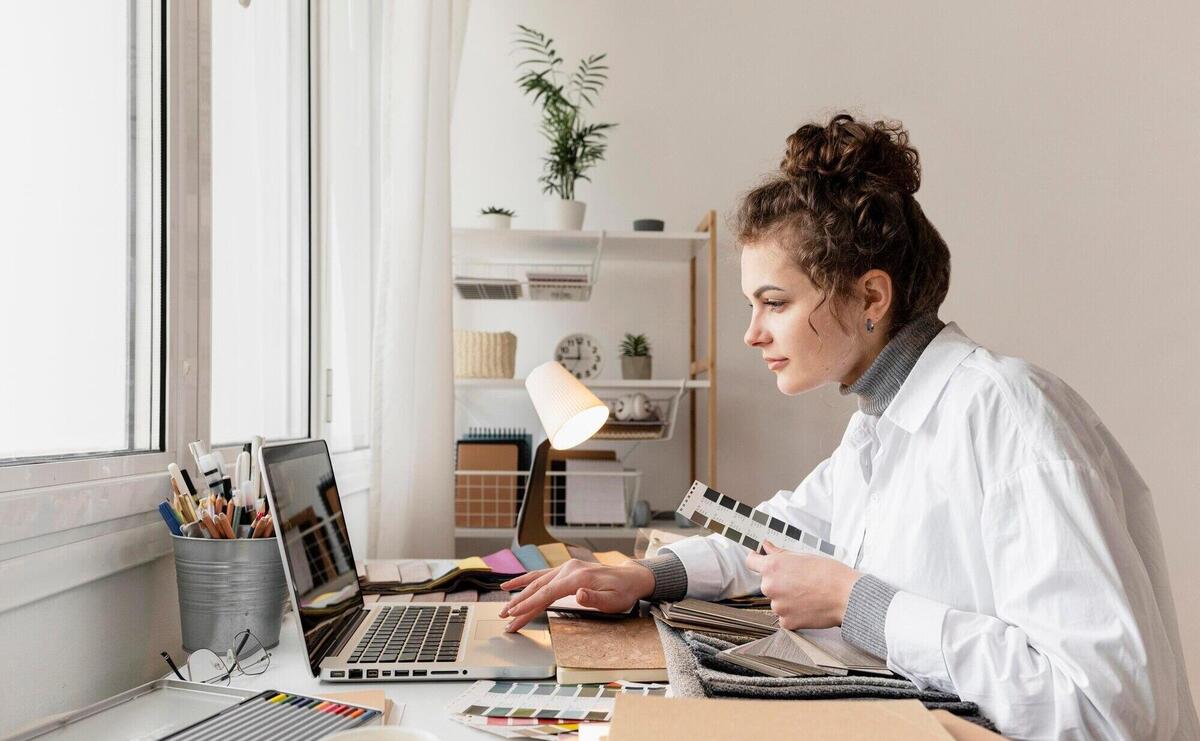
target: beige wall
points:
(1061, 164)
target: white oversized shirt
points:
(1023, 542)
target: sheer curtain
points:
(412, 384)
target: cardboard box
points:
(642, 718)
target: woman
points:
(998, 542)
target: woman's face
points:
(782, 303)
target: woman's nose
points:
(755, 334)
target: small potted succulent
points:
(635, 357)
(494, 217)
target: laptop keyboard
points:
(412, 633)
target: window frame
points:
(316, 334)
(102, 495)
(72, 468)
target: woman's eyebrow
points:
(763, 289)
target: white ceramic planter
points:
(564, 215)
(495, 221)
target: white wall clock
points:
(580, 354)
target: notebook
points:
(588, 650)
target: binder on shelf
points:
(490, 500)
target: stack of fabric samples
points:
(468, 579)
(541, 709)
(710, 617)
(804, 653)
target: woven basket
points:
(484, 354)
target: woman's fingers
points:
(540, 600)
(529, 590)
(519, 581)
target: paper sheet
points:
(595, 500)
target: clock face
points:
(580, 354)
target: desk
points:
(424, 702)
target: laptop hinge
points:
(353, 620)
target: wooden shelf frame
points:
(708, 365)
(520, 247)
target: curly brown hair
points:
(842, 204)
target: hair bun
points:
(851, 154)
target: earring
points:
(870, 325)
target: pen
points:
(179, 518)
(236, 518)
(177, 479)
(187, 479)
(256, 444)
(171, 664)
(241, 469)
(168, 515)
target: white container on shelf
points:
(564, 215)
(495, 221)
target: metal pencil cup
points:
(226, 586)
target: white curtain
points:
(412, 384)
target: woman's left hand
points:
(806, 591)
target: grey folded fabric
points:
(695, 670)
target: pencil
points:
(223, 523)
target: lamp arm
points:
(532, 528)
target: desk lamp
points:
(570, 414)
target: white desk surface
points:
(424, 702)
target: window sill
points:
(58, 538)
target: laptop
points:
(349, 641)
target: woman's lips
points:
(776, 364)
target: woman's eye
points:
(773, 305)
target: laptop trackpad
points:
(528, 647)
(486, 629)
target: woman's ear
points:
(875, 287)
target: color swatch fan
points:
(747, 526)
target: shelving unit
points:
(565, 266)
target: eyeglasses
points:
(245, 656)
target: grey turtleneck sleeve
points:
(670, 578)
(866, 610)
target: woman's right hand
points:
(605, 588)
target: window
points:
(260, 327)
(347, 210)
(81, 245)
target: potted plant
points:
(635, 357)
(494, 217)
(575, 145)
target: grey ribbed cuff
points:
(866, 615)
(670, 578)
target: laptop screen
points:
(314, 539)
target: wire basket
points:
(533, 281)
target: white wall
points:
(1060, 163)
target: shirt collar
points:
(929, 376)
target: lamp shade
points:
(570, 413)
